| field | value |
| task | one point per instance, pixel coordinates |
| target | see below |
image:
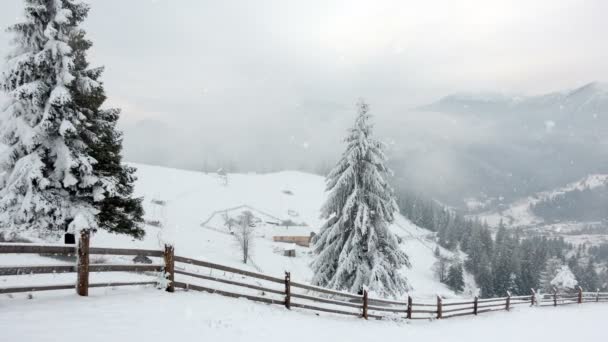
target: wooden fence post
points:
(365, 304)
(169, 257)
(580, 295)
(409, 307)
(288, 290)
(82, 286)
(533, 298)
(597, 296)
(554, 296)
(475, 302)
(508, 303)
(439, 308)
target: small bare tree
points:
(244, 234)
(441, 268)
(223, 175)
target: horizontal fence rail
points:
(259, 287)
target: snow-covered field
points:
(192, 198)
(151, 315)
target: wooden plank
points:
(230, 282)
(228, 294)
(459, 303)
(375, 301)
(125, 268)
(125, 251)
(425, 304)
(229, 269)
(345, 294)
(521, 297)
(326, 291)
(326, 300)
(130, 283)
(489, 300)
(519, 303)
(386, 309)
(459, 309)
(36, 249)
(71, 250)
(36, 288)
(25, 270)
(69, 287)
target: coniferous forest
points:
(503, 260)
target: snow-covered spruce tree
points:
(119, 211)
(455, 278)
(51, 178)
(355, 248)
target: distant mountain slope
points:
(590, 98)
(519, 213)
(511, 147)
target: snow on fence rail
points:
(237, 283)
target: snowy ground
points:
(151, 315)
(191, 198)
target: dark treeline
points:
(599, 252)
(501, 262)
(575, 205)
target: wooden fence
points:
(198, 275)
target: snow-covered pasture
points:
(190, 198)
(150, 315)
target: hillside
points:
(522, 213)
(190, 206)
(505, 147)
(518, 213)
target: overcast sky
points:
(249, 77)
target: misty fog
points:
(271, 85)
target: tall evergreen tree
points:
(119, 211)
(56, 175)
(504, 263)
(455, 280)
(355, 247)
(587, 276)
